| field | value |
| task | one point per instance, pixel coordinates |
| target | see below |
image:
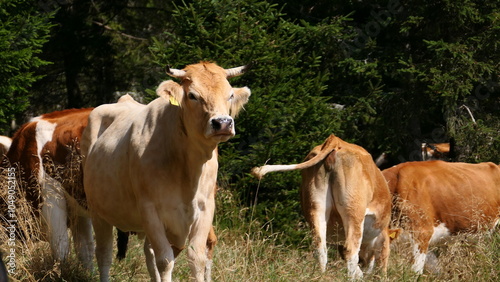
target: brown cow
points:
(435, 199)
(341, 185)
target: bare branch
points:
(119, 32)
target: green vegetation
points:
(23, 31)
(403, 71)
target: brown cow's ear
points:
(330, 161)
(241, 96)
(170, 91)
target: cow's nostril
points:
(216, 125)
(222, 123)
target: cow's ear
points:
(241, 96)
(170, 91)
(330, 161)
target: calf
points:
(341, 185)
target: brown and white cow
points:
(48, 150)
(435, 199)
(341, 185)
(154, 172)
(53, 140)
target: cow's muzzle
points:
(222, 125)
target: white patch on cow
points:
(419, 260)
(440, 232)
(353, 269)
(5, 141)
(54, 203)
(43, 135)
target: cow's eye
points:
(231, 97)
(191, 96)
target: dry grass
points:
(249, 253)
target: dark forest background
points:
(386, 75)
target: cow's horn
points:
(175, 72)
(235, 71)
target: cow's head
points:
(207, 100)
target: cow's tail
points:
(326, 149)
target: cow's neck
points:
(184, 145)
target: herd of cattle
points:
(152, 169)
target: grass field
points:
(248, 252)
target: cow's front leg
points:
(197, 250)
(104, 246)
(162, 250)
(420, 242)
(150, 261)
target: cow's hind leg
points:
(121, 243)
(353, 219)
(318, 224)
(81, 229)
(104, 246)
(351, 248)
(55, 214)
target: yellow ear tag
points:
(392, 235)
(173, 101)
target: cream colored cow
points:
(154, 171)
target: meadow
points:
(251, 251)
